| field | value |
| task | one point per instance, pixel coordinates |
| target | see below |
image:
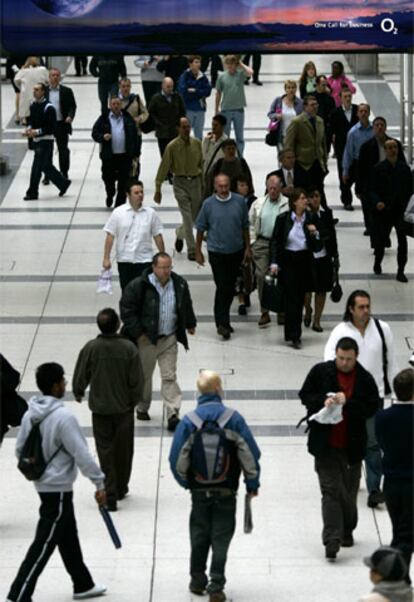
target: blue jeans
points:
(196, 119)
(373, 459)
(237, 118)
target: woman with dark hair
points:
(285, 108)
(323, 261)
(294, 238)
(337, 81)
(307, 80)
(244, 282)
(231, 165)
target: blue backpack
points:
(210, 453)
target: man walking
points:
(194, 88)
(377, 355)
(111, 366)
(157, 311)
(63, 99)
(40, 128)
(108, 69)
(305, 136)
(342, 387)
(134, 227)
(212, 144)
(116, 133)
(394, 430)
(183, 158)
(225, 218)
(166, 108)
(64, 445)
(263, 215)
(212, 519)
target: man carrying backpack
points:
(211, 446)
(63, 448)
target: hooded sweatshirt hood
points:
(394, 591)
(41, 406)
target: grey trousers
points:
(187, 193)
(261, 258)
(339, 484)
(165, 353)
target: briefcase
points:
(272, 295)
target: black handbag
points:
(336, 292)
(272, 137)
(272, 295)
(148, 125)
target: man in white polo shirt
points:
(134, 227)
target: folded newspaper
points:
(330, 415)
(248, 521)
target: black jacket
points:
(108, 68)
(42, 117)
(166, 114)
(173, 67)
(340, 127)
(139, 307)
(368, 159)
(283, 226)
(363, 404)
(392, 186)
(326, 228)
(103, 126)
(67, 104)
(12, 406)
(300, 176)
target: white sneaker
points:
(94, 592)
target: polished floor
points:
(51, 254)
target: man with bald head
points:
(166, 108)
(184, 159)
(263, 214)
(212, 519)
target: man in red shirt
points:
(341, 388)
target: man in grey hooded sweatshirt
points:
(57, 525)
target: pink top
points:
(336, 85)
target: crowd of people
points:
(285, 239)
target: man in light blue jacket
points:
(212, 520)
(64, 448)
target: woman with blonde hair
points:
(284, 108)
(30, 74)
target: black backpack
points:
(32, 462)
(210, 453)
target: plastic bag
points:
(104, 284)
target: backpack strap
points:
(195, 419)
(222, 421)
(387, 388)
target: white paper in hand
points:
(104, 284)
(329, 415)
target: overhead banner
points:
(210, 26)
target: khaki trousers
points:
(165, 353)
(187, 193)
(261, 258)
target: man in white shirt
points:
(134, 227)
(263, 214)
(377, 355)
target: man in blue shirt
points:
(224, 217)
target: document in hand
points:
(110, 526)
(329, 415)
(248, 521)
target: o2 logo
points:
(388, 26)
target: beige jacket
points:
(256, 212)
(25, 80)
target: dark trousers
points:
(62, 140)
(216, 66)
(339, 483)
(81, 63)
(382, 224)
(56, 527)
(225, 267)
(212, 525)
(42, 162)
(150, 88)
(346, 191)
(105, 92)
(400, 506)
(257, 63)
(129, 271)
(162, 144)
(313, 177)
(114, 438)
(116, 169)
(294, 278)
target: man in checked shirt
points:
(157, 312)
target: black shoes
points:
(317, 328)
(308, 318)
(375, 498)
(401, 277)
(347, 541)
(178, 245)
(30, 197)
(377, 268)
(331, 550)
(297, 344)
(64, 189)
(224, 331)
(348, 208)
(46, 181)
(109, 200)
(143, 416)
(111, 506)
(191, 256)
(172, 423)
(242, 311)
(197, 589)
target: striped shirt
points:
(167, 320)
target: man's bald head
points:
(167, 85)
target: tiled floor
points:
(51, 253)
